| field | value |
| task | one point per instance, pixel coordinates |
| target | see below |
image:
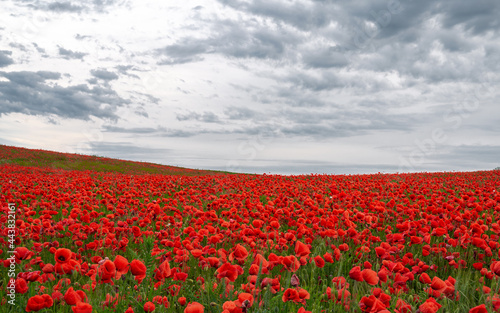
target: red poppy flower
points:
(149, 306)
(371, 304)
(424, 278)
(343, 247)
(438, 284)
(416, 240)
(194, 307)
(274, 259)
(21, 285)
(82, 307)
(439, 231)
(67, 267)
(257, 223)
(72, 297)
(121, 265)
(242, 297)
(403, 307)
(479, 242)
(48, 268)
(163, 271)
(301, 249)
(138, 269)
(110, 301)
(495, 267)
(37, 303)
(107, 271)
(227, 270)
(48, 300)
(328, 257)
(291, 295)
(290, 263)
(355, 273)
(180, 276)
(231, 307)
(340, 282)
(196, 253)
(383, 297)
(370, 276)
(136, 231)
(129, 310)
(429, 306)
(303, 294)
(479, 309)
(57, 296)
(254, 269)
(343, 296)
(213, 261)
(273, 282)
(261, 261)
(239, 253)
(62, 255)
(319, 261)
(22, 253)
(182, 301)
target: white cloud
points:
(350, 87)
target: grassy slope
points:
(69, 161)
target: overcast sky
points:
(287, 87)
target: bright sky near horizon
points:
(286, 87)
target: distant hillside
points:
(70, 161)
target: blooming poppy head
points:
(35, 303)
(72, 297)
(48, 268)
(371, 304)
(240, 253)
(231, 307)
(57, 296)
(370, 276)
(137, 268)
(21, 285)
(429, 306)
(121, 263)
(62, 255)
(149, 306)
(319, 261)
(23, 253)
(479, 309)
(82, 307)
(301, 249)
(290, 263)
(227, 270)
(495, 267)
(355, 273)
(424, 278)
(438, 284)
(107, 270)
(244, 297)
(291, 295)
(194, 307)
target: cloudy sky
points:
(279, 86)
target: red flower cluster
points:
(89, 240)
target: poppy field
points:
(106, 241)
